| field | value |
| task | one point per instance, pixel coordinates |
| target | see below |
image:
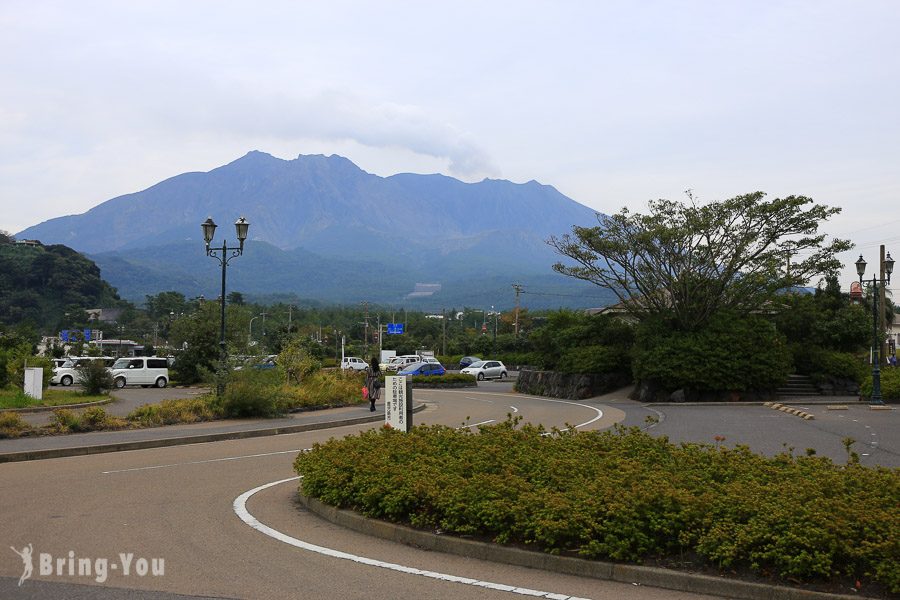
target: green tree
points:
(297, 361)
(165, 304)
(235, 298)
(690, 262)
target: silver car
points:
(486, 369)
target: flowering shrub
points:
(621, 495)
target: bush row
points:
(622, 495)
(890, 383)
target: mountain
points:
(324, 228)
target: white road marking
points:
(240, 509)
(594, 408)
(515, 410)
(480, 399)
(200, 462)
(476, 424)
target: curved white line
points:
(240, 509)
(593, 408)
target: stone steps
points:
(798, 385)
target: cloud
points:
(339, 115)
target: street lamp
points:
(223, 255)
(250, 333)
(888, 264)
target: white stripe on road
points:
(593, 408)
(240, 509)
(200, 462)
(475, 424)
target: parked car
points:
(423, 368)
(486, 369)
(399, 362)
(68, 373)
(353, 362)
(141, 370)
(465, 361)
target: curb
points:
(652, 576)
(40, 409)
(819, 401)
(181, 441)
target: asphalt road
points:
(176, 504)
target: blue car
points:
(423, 368)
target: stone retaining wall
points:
(571, 386)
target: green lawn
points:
(15, 398)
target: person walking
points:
(372, 384)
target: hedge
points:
(890, 383)
(622, 495)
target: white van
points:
(353, 362)
(141, 370)
(67, 373)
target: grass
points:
(15, 398)
(250, 393)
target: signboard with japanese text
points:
(395, 404)
(395, 328)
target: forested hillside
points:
(40, 284)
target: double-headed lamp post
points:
(876, 342)
(223, 255)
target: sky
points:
(614, 103)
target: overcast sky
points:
(613, 103)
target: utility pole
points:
(380, 338)
(883, 303)
(518, 289)
(443, 334)
(365, 304)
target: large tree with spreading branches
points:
(688, 262)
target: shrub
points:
(65, 419)
(595, 359)
(731, 354)
(169, 412)
(252, 393)
(448, 380)
(17, 358)
(12, 425)
(326, 388)
(890, 384)
(95, 378)
(621, 495)
(297, 361)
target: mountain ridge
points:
(367, 229)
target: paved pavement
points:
(876, 432)
(177, 502)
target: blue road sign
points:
(394, 328)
